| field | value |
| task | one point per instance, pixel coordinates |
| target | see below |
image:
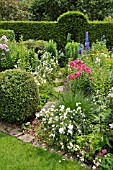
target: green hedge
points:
(72, 22)
(9, 34)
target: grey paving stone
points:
(58, 89)
(26, 138)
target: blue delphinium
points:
(101, 39)
(86, 39)
(80, 49)
(86, 42)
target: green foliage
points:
(71, 50)
(49, 9)
(18, 96)
(36, 45)
(12, 10)
(8, 33)
(69, 100)
(96, 10)
(71, 22)
(19, 56)
(51, 47)
(107, 162)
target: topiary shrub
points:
(18, 96)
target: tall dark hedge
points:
(72, 22)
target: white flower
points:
(110, 95)
(97, 60)
(78, 108)
(111, 126)
(94, 167)
(52, 135)
(53, 125)
(78, 104)
(28, 123)
(70, 127)
(61, 130)
(71, 144)
(70, 131)
(67, 110)
(65, 114)
(62, 107)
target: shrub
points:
(9, 34)
(51, 47)
(71, 50)
(18, 96)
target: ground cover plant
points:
(15, 154)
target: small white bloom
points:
(94, 167)
(61, 130)
(28, 123)
(77, 104)
(111, 126)
(97, 60)
(78, 108)
(110, 95)
(70, 127)
(67, 110)
(62, 107)
(70, 131)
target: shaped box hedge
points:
(72, 22)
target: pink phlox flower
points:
(72, 64)
(78, 62)
(71, 76)
(4, 46)
(87, 70)
(77, 74)
(102, 152)
(79, 67)
(4, 38)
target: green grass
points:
(18, 155)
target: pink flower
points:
(4, 38)
(90, 78)
(72, 64)
(78, 61)
(84, 67)
(70, 76)
(87, 70)
(77, 74)
(4, 46)
(102, 152)
(79, 67)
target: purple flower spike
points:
(86, 39)
(87, 46)
(101, 39)
(80, 51)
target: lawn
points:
(17, 155)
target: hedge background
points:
(73, 22)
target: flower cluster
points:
(46, 68)
(3, 45)
(79, 67)
(62, 125)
